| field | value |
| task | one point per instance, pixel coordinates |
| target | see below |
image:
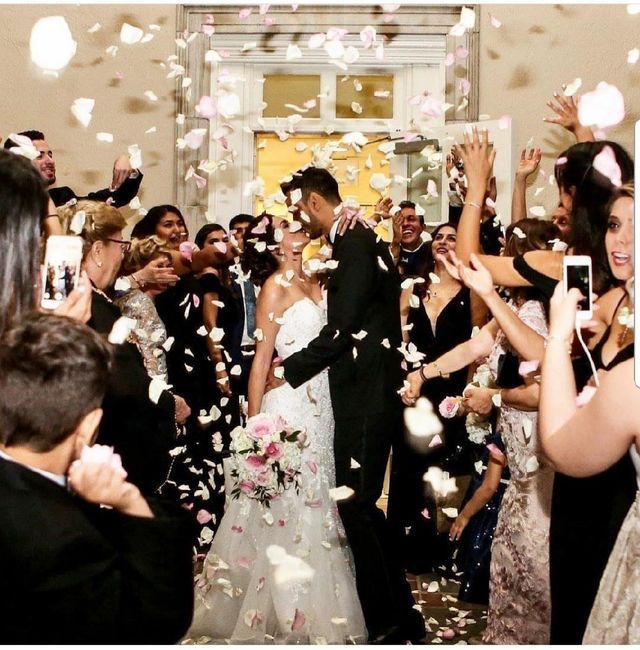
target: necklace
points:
(101, 293)
(625, 318)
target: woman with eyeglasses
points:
(141, 430)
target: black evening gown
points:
(474, 551)
(586, 516)
(586, 513)
(197, 478)
(422, 549)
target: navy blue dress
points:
(474, 552)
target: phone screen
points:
(578, 278)
(61, 269)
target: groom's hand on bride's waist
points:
(275, 378)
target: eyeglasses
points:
(124, 244)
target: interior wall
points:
(537, 48)
(540, 47)
(32, 100)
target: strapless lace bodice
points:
(299, 325)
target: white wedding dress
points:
(237, 599)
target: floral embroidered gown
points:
(519, 600)
(237, 598)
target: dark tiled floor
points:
(448, 621)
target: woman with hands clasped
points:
(605, 430)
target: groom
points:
(359, 345)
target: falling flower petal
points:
(293, 52)
(421, 421)
(341, 493)
(605, 163)
(243, 14)
(206, 107)
(452, 513)
(440, 481)
(527, 367)
(51, 43)
(633, 56)
(299, 620)
(461, 52)
(156, 387)
(130, 34)
(573, 87)
(121, 330)
(82, 108)
(151, 96)
(495, 22)
(536, 211)
(104, 137)
(602, 107)
(316, 41)
(585, 396)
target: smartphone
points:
(61, 270)
(577, 275)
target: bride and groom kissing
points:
(339, 380)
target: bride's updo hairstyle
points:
(258, 258)
(591, 193)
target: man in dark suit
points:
(73, 571)
(124, 184)
(359, 345)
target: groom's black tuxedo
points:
(364, 377)
(72, 572)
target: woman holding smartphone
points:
(586, 514)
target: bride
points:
(283, 574)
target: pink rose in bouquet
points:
(247, 486)
(254, 461)
(449, 407)
(262, 425)
(262, 478)
(274, 450)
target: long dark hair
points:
(539, 235)
(429, 264)
(23, 208)
(146, 227)
(201, 238)
(259, 262)
(592, 195)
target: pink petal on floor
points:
(299, 619)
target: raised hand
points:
(121, 170)
(102, 484)
(528, 162)
(566, 116)
(382, 209)
(477, 158)
(157, 272)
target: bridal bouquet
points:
(266, 458)
(478, 426)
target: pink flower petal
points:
(243, 14)
(206, 107)
(237, 529)
(495, 22)
(450, 59)
(316, 41)
(435, 441)
(461, 52)
(527, 367)
(312, 466)
(425, 514)
(196, 301)
(186, 250)
(504, 122)
(313, 503)
(203, 517)
(605, 162)
(495, 451)
(299, 619)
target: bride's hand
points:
(275, 378)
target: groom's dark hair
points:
(313, 179)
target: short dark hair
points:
(53, 371)
(240, 218)
(32, 135)
(412, 206)
(24, 202)
(315, 179)
(204, 232)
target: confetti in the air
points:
(51, 43)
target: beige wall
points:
(30, 99)
(537, 49)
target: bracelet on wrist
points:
(473, 204)
(560, 339)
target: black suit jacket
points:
(120, 197)
(364, 375)
(72, 572)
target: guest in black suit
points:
(124, 184)
(73, 572)
(142, 432)
(365, 375)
